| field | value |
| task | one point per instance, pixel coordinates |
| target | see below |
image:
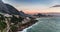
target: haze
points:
(35, 6)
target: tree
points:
(16, 21)
(3, 25)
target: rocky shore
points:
(27, 24)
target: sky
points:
(32, 6)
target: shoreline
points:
(26, 25)
(30, 23)
(25, 30)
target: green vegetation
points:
(6, 23)
(12, 24)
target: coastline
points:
(27, 25)
(25, 30)
(30, 23)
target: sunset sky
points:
(34, 6)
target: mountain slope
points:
(3, 7)
(8, 9)
(12, 10)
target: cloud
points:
(55, 2)
(33, 5)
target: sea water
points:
(49, 24)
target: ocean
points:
(46, 24)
